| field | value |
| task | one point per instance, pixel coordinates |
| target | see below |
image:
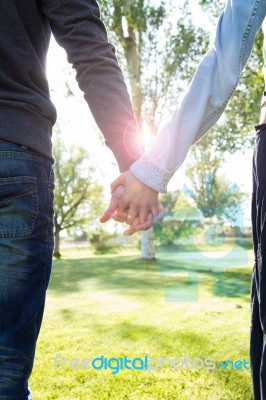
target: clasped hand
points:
(133, 202)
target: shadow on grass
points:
(175, 344)
(178, 274)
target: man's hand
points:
(132, 202)
(111, 209)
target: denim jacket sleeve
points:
(212, 86)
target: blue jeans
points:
(26, 246)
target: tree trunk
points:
(147, 245)
(57, 242)
(131, 41)
(133, 62)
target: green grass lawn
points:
(186, 304)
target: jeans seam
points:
(49, 191)
(21, 154)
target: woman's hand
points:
(136, 226)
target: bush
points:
(99, 239)
(168, 232)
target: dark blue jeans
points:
(258, 286)
(26, 245)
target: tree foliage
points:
(212, 193)
(78, 195)
(178, 221)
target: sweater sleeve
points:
(77, 27)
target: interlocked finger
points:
(132, 214)
(120, 217)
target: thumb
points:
(117, 182)
(118, 192)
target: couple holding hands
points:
(27, 116)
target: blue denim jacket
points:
(212, 86)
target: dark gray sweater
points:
(26, 112)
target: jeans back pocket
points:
(18, 206)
